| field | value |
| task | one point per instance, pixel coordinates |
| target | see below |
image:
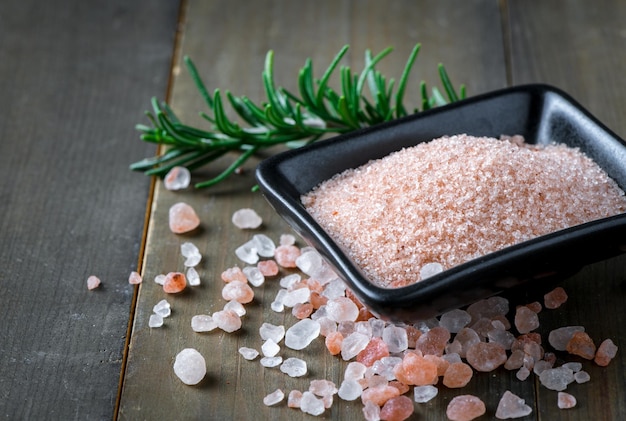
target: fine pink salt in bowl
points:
(539, 113)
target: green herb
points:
(285, 118)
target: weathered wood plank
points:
(228, 43)
(578, 47)
(74, 77)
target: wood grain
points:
(75, 78)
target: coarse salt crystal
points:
(294, 367)
(134, 278)
(193, 277)
(565, 400)
(423, 394)
(254, 275)
(160, 279)
(162, 308)
(264, 245)
(273, 332)
(183, 218)
(235, 306)
(227, 320)
(156, 320)
(177, 178)
(270, 348)
(248, 353)
(203, 323)
(512, 406)
(174, 282)
(273, 398)
(246, 219)
(93, 282)
(271, 361)
(301, 334)
(350, 390)
(190, 366)
(248, 253)
(465, 408)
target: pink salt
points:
(134, 278)
(174, 282)
(477, 194)
(302, 310)
(286, 255)
(565, 400)
(233, 274)
(605, 353)
(374, 351)
(582, 345)
(93, 282)
(294, 399)
(486, 356)
(182, 218)
(465, 408)
(555, 298)
(416, 370)
(434, 341)
(397, 409)
(457, 375)
(379, 394)
(238, 291)
(268, 267)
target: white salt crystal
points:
(574, 366)
(193, 260)
(455, 320)
(342, 309)
(377, 327)
(364, 328)
(385, 366)
(327, 326)
(247, 253)
(235, 306)
(155, 321)
(297, 296)
(203, 323)
(264, 245)
(320, 313)
(312, 264)
(311, 405)
(322, 387)
(334, 289)
(248, 353)
(540, 366)
(294, 367)
(559, 338)
(522, 374)
(273, 332)
(177, 178)
(430, 269)
(556, 378)
(288, 281)
(582, 377)
(190, 366)
(93, 282)
(371, 411)
(277, 305)
(354, 371)
(274, 398)
(301, 334)
(352, 345)
(160, 279)
(512, 406)
(287, 240)
(227, 320)
(396, 338)
(271, 361)
(246, 219)
(345, 327)
(193, 277)
(189, 249)
(423, 394)
(503, 337)
(162, 308)
(350, 390)
(452, 357)
(270, 348)
(254, 275)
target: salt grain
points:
(273, 398)
(270, 348)
(162, 308)
(254, 276)
(159, 279)
(183, 218)
(155, 321)
(236, 307)
(177, 178)
(565, 400)
(423, 394)
(193, 277)
(264, 245)
(227, 320)
(396, 338)
(273, 332)
(248, 353)
(309, 404)
(559, 338)
(271, 361)
(512, 406)
(557, 378)
(350, 390)
(190, 366)
(246, 219)
(203, 323)
(465, 408)
(294, 367)
(301, 334)
(248, 253)
(134, 278)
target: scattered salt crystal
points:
(294, 367)
(522, 374)
(238, 291)
(574, 366)
(352, 345)
(555, 298)
(396, 338)
(556, 378)
(183, 218)
(155, 320)
(342, 309)
(582, 345)
(540, 366)
(565, 400)
(162, 308)
(297, 296)
(350, 390)
(227, 320)
(188, 249)
(193, 277)
(486, 356)
(430, 269)
(254, 275)
(606, 352)
(301, 334)
(190, 366)
(290, 280)
(423, 394)
(274, 398)
(526, 320)
(335, 289)
(287, 240)
(371, 411)
(457, 375)
(235, 306)
(177, 178)
(174, 282)
(277, 305)
(559, 338)
(264, 245)
(193, 260)
(286, 255)
(294, 399)
(247, 252)
(466, 338)
(267, 268)
(246, 219)
(233, 274)
(309, 404)
(354, 371)
(397, 409)
(512, 406)
(322, 387)
(159, 279)
(465, 408)
(203, 323)
(93, 282)
(455, 320)
(582, 377)
(503, 337)
(248, 353)
(270, 348)
(271, 361)
(273, 332)
(134, 278)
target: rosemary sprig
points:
(285, 117)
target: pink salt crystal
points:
(440, 362)
(302, 310)
(402, 388)
(238, 291)
(342, 309)
(227, 320)
(183, 218)
(233, 274)
(457, 375)
(134, 278)
(294, 399)
(606, 352)
(526, 320)
(416, 370)
(322, 387)
(434, 341)
(555, 298)
(486, 356)
(465, 408)
(93, 282)
(268, 267)
(371, 411)
(534, 306)
(582, 345)
(374, 351)
(177, 178)
(333, 342)
(286, 256)
(565, 400)
(174, 282)
(512, 406)
(379, 394)
(397, 409)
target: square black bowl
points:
(540, 113)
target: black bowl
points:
(540, 113)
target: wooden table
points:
(75, 79)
